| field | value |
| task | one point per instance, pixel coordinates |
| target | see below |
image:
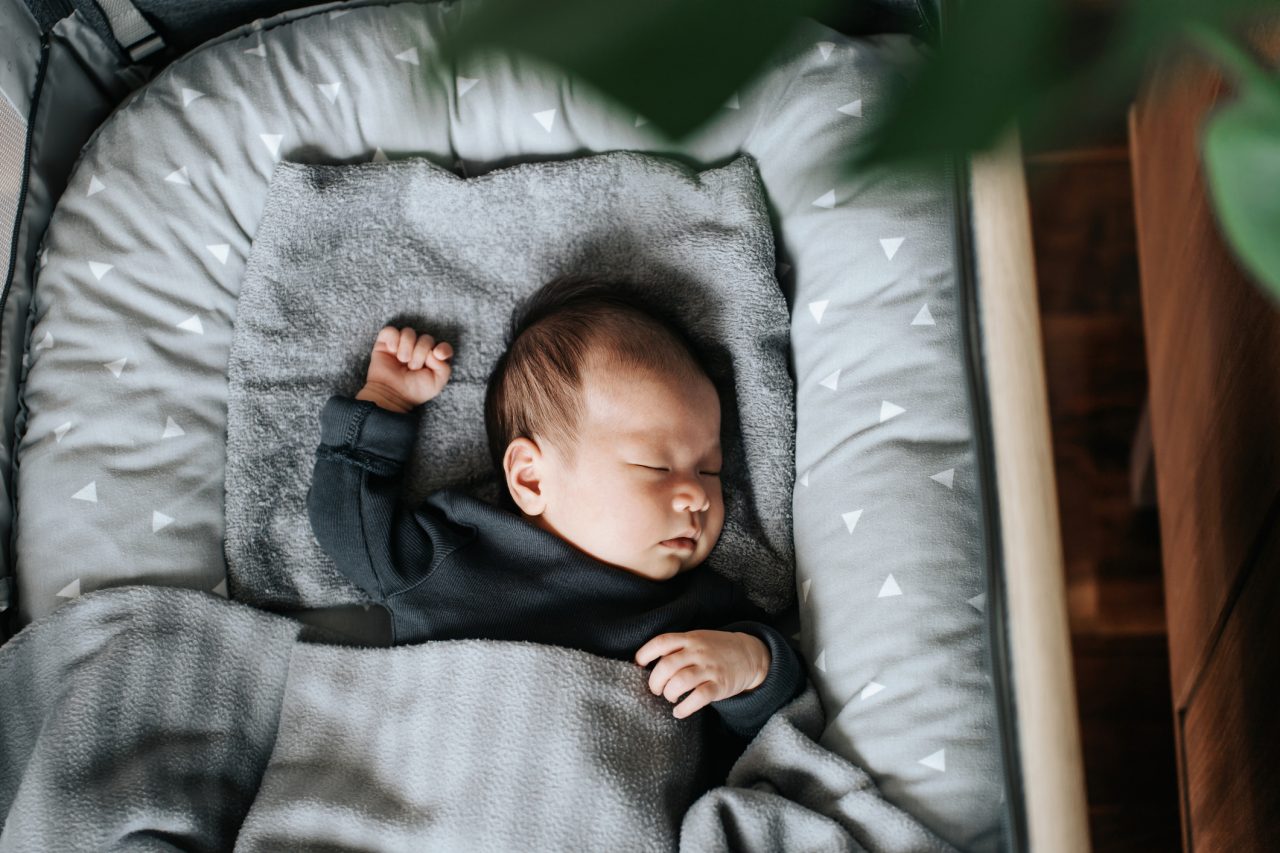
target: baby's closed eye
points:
(664, 469)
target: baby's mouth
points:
(680, 543)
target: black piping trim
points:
(980, 415)
(6, 623)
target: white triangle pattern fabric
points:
(733, 103)
(851, 519)
(936, 761)
(891, 245)
(870, 690)
(330, 90)
(832, 380)
(89, 493)
(821, 660)
(219, 251)
(889, 588)
(640, 121)
(192, 324)
(946, 478)
(853, 108)
(827, 199)
(979, 602)
(825, 48)
(260, 50)
(159, 521)
(179, 177)
(99, 269)
(71, 590)
(546, 118)
(95, 186)
(804, 590)
(923, 317)
(189, 95)
(410, 56)
(221, 588)
(46, 342)
(171, 429)
(889, 410)
(272, 141)
(116, 367)
(60, 431)
(379, 156)
(817, 309)
(466, 84)
(804, 479)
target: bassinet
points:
(73, 64)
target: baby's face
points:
(643, 492)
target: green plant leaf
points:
(997, 56)
(1050, 66)
(673, 61)
(1240, 147)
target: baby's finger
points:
(659, 646)
(408, 337)
(443, 351)
(388, 339)
(702, 696)
(666, 668)
(421, 351)
(684, 681)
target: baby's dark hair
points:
(569, 323)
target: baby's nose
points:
(692, 499)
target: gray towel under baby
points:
(343, 250)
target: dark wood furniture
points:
(1213, 351)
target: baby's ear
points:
(523, 464)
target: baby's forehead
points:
(637, 403)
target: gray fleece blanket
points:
(343, 250)
(150, 718)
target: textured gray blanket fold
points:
(342, 250)
(149, 718)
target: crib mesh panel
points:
(13, 147)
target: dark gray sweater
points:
(458, 568)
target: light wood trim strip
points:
(1039, 636)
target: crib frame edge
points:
(1038, 635)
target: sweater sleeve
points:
(746, 713)
(381, 545)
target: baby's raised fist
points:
(406, 369)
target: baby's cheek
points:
(715, 519)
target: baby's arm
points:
(353, 501)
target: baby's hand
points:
(406, 369)
(713, 664)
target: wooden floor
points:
(1091, 319)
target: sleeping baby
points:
(606, 431)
